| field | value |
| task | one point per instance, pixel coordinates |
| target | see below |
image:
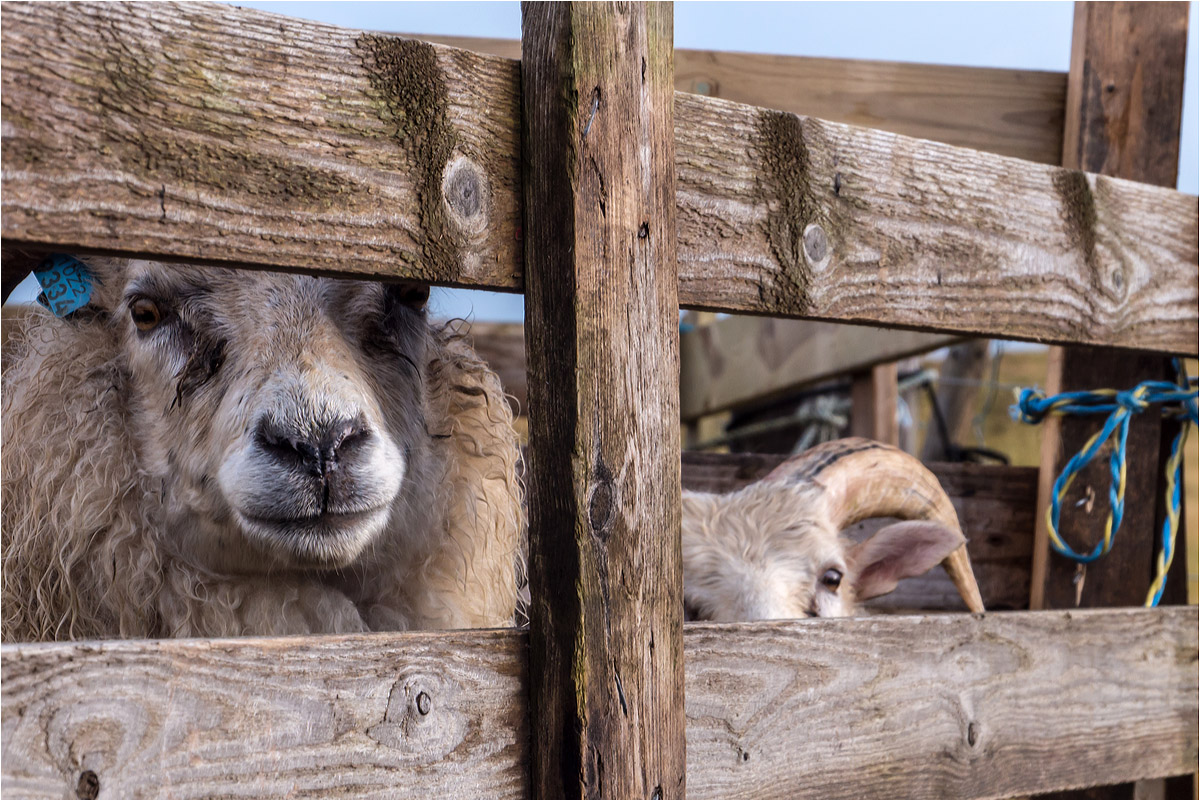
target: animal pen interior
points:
(582, 179)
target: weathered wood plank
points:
(941, 707)
(226, 168)
(602, 334)
(742, 359)
(1124, 111)
(329, 716)
(1015, 113)
(995, 505)
(232, 136)
(944, 706)
(794, 216)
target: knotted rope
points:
(1178, 401)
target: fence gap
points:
(606, 641)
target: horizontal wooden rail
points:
(241, 138)
(1015, 113)
(741, 360)
(942, 706)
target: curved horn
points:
(866, 479)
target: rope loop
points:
(1177, 400)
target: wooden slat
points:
(795, 216)
(602, 334)
(944, 706)
(243, 718)
(1011, 112)
(874, 398)
(995, 505)
(231, 136)
(1123, 119)
(941, 707)
(740, 360)
(227, 169)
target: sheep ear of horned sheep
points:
(865, 479)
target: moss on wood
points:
(784, 183)
(410, 95)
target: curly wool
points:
(82, 523)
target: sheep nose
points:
(318, 449)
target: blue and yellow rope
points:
(1178, 401)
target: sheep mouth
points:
(330, 539)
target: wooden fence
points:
(232, 137)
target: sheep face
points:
(773, 550)
(281, 413)
(762, 554)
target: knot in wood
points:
(465, 192)
(816, 246)
(602, 500)
(88, 785)
(423, 703)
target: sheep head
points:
(278, 416)
(773, 550)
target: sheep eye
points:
(145, 313)
(832, 578)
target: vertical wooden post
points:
(606, 618)
(1124, 103)
(874, 395)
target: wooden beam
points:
(602, 334)
(995, 504)
(792, 216)
(742, 360)
(415, 715)
(235, 137)
(874, 397)
(943, 706)
(188, 134)
(1015, 113)
(1124, 107)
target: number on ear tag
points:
(66, 284)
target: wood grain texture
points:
(286, 717)
(941, 707)
(602, 336)
(995, 504)
(231, 136)
(1124, 111)
(742, 360)
(948, 706)
(794, 216)
(1011, 112)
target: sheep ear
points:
(408, 294)
(897, 552)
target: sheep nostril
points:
(317, 450)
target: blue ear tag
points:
(66, 284)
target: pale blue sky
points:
(1024, 35)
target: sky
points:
(1024, 35)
